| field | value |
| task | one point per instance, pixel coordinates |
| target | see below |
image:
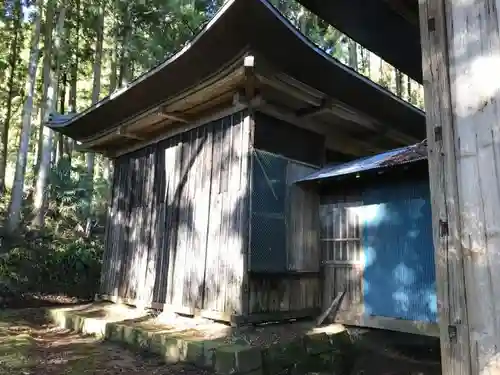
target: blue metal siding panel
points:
(399, 276)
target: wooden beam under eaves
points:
(172, 116)
(335, 139)
(315, 110)
(250, 77)
(124, 133)
(342, 111)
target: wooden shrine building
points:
(206, 214)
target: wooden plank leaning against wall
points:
(461, 56)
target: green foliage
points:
(59, 259)
(45, 263)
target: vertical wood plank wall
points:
(177, 231)
(303, 222)
(284, 293)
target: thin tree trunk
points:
(106, 170)
(40, 201)
(113, 81)
(367, 62)
(96, 89)
(73, 84)
(381, 73)
(39, 145)
(114, 67)
(353, 54)
(62, 109)
(4, 130)
(399, 83)
(74, 63)
(47, 47)
(409, 91)
(124, 76)
(14, 217)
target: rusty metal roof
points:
(391, 158)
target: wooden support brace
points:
(334, 306)
(315, 110)
(250, 77)
(121, 131)
(172, 116)
(240, 99)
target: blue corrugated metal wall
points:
(399, 276)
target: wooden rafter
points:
(163, 112)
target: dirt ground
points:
(29, 345)
(391, 353)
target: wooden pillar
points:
(461, 68)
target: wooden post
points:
(461, 69)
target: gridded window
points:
(341, 233)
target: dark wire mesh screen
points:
(269, 213)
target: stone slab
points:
(314, 349)
(237, 359)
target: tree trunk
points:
(113, 80)
(4, 130)
(368, 63)
(14, 217)
(461, 59)
(382, 74)
(96, 89)
(47, 48)
(114, 67)
(409, 91)
(74, 63)
(73, 84)
(61, 149)
(40, 201)
(399, 83)
(106, 170)
(353, 54)
(125, 68)
(39, 145)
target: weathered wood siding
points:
(303, 223)
(178, 225)
(284, 293)
(342, 249)
(228, 228)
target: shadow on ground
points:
(30, 345)
(379, 352)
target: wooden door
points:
(342, 259)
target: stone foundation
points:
(316, 349)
